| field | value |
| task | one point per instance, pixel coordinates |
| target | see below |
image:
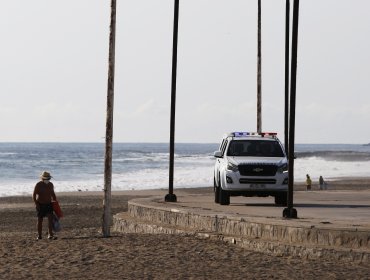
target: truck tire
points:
(216, 190)
(281, 199)
(224, 197)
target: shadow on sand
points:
(302, 205)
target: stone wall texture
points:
(278, 239)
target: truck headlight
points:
(232, 167)
(283, 168)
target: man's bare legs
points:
(50, 224)
(39, 227)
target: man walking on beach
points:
(322, 183)
(43, 195)
(308, 182)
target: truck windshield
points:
(255, 148)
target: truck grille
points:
(257, 169)
(257, 181)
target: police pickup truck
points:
(250, 164)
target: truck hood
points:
(257, 160)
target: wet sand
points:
(80, 252)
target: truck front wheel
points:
(224, 196)
(281, 199)
(216, 190)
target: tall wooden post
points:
(286, 108)
(290, 212)
(171, 197)
(259, 78)
(107, 216)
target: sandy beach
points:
(80, 252)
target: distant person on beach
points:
(43, 195)
(322, 183)
(308, 182)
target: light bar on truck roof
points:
(244, 134)
(241, 134)
(268, 134)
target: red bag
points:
(57, 209)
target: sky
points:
(54, 68)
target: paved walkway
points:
(335, 224)
(336, 209)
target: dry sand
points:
(81, 253)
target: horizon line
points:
(136, 142)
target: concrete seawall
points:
(303, 237)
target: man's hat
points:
(45, 175)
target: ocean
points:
(137, 166)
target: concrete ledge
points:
(275, 236)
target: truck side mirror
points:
(217, 154)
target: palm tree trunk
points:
(107, 216)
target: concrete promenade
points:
(333, 224)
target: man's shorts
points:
(44, 210)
